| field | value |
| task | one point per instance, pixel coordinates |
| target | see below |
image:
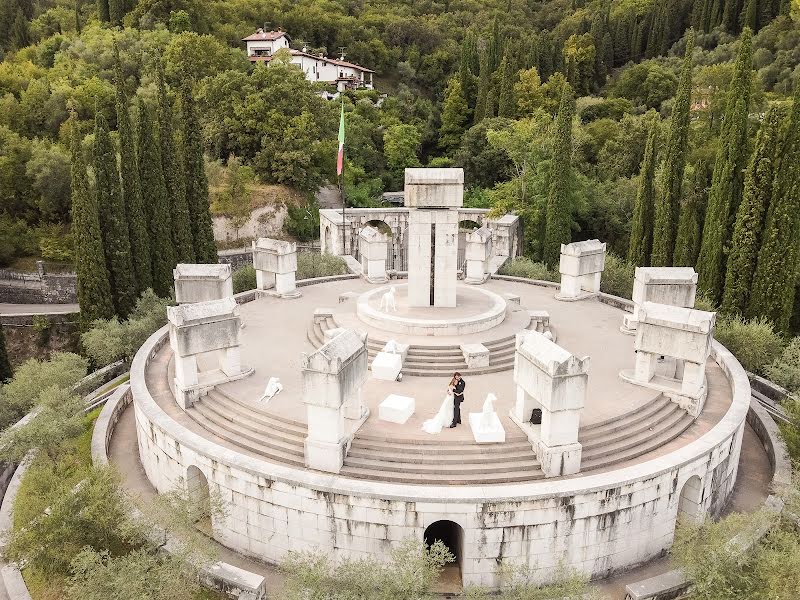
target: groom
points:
(458, 398)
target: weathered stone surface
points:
(373, 246)
(434, 188)
(581, 266)
(475, 355)
(396, 408)
(202, 282)
(478, 253)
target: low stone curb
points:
(11, 576)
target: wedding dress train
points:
(443, 418)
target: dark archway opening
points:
(451, 535)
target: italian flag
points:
(340, 158)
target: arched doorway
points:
(199, 499)
(451, 535)
(690, 504)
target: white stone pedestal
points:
(201, 282)
(493, 434)
(674, 286)
(387, 366)
(475, 355)
(396, 409)
(373, 246)
(581, 267)
(478, 253)
(275, 262)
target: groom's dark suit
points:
(458, 398)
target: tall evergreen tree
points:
(94, 287)
(158, 206)
(116, 10)
(641, 241)
(468, 67)
(668, 204)
(116, 243)
(746, 239)
(78, 17)
(103, 11)
(559, 207)
(6, 372)
(484, 83)
(205, 249)
(173, 175)
(454, 117)
(130, 189)
(20, 31)
(495, 49)
(508, 73)
(776, 273)
(690, 223)
(728, 180)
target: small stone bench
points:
(320, 314)
(671, 584)
(234, 582)
(475, 355)
(396, 409)
(512, 298)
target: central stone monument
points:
(433, 197)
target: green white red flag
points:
(340, 158)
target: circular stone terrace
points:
(645, 460)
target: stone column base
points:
(325, 456)
(559, 460)
(629, 324)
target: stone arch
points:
(468, 225)
(690, 503)
(199, 497)
(451, 534)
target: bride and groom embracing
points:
(449, 414)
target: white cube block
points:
(475, 355)
(396, 409)
(387, 366)
(486, 435)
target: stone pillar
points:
(675, 286)
(332, 380)
(581, 266)
(201, 282)
(275, 262)
(554, 381)
(194, 329)
(433, 197)
(478, 254)
(672, 346)
(372, 246)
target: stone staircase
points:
(431, 460)
(429, 361)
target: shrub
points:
(785, 371)
(753, 342)
(302, 221)
(617, 278)
(56, 244)
(244, 279)
(525, 267)
(312, 264)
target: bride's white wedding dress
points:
(443, 418)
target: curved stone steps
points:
(483, 478)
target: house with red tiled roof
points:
(262, 46)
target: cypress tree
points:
(728, 180)
(484, 82)
(94, 287)
(641, 240)
(173, 176)
(749, 15)
(77, 17)
(205, 249)
(559, 210)
(507, 104)
(6, 372)
(668, 204)
(131, 191)
(776, 272)
(454, 117)
(116, 10)
(158, 205)
(116, 243)
(746, 239)
(495, 49)
(20, 31)
(103, 10)
(468, 67)
(690, 224)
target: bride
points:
(444, 417)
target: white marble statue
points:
(485, 425)
(387, 301)
(443, 418)
(274, 387)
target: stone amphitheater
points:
(303, 407)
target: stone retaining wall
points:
(597, 524)
(49, 289)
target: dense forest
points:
(666, 129)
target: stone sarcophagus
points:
(201, 282)
(332, 379)
(675, 286)
(581, 266)
(275, 262)
(551, 392)
(373, 246)
(478, 254)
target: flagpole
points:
(341, 193)
(340, 174)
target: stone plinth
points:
(198, 328)
(201, 282)
(552, 380)
(275, 262)
(373, 246)
(387, 366)
(675, 286)
(475, 355)
(332, 380)
(672, 346)
(478, 253)
(434, 196)
(581, 266)
(396, 409)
